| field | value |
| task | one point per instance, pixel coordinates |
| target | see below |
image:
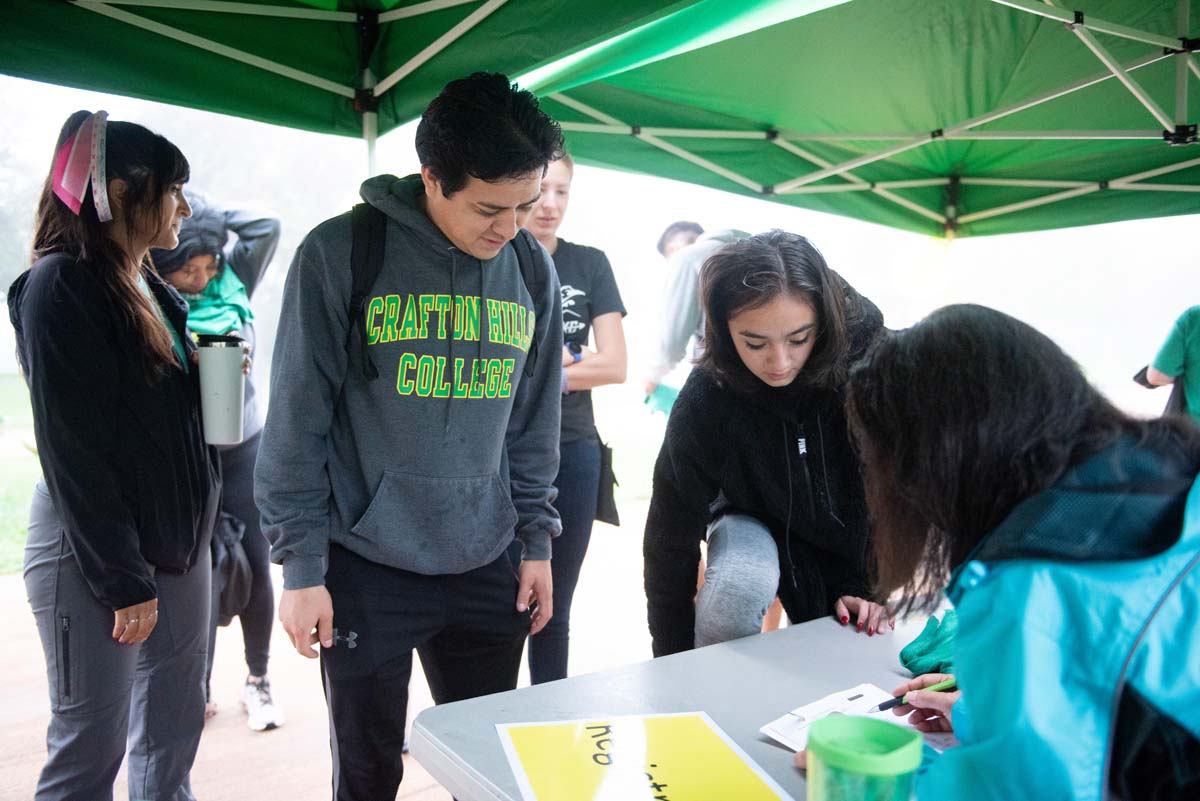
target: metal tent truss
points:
(1173, 130)
(366, 94)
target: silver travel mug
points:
(222, 388)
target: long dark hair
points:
(959, 419)
(750, 273)
(149, 165)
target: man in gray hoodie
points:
(392, 501)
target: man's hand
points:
(302, 611)
(536, 591)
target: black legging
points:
(237, 467)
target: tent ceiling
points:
(300, 62)
(966, 117)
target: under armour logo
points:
(349, 638)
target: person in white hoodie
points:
(409, 443)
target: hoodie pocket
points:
(436, 525)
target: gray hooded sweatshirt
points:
(436, 465)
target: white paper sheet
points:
(792, 729)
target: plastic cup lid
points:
(866, 746)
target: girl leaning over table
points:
(757, 458)
(1066, 534)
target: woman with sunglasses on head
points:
(218, 289)
(116, 560)
(591, 309)
(757, 459)
(1067, 536)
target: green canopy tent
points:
(955, 117)
(351, 67)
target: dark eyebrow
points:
(799, 330)
(494, 207)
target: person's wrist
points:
(563, 388)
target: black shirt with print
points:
(588, 291)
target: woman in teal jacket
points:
(1069, 536)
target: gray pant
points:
(102, 692)
(740, 580)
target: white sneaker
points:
(262, 714)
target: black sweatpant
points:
(465, 628)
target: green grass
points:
(19, 470)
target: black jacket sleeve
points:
(72, 364)
(686, 482)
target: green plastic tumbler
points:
(861, 759)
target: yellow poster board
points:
(675, 757)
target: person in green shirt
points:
(1178, 360)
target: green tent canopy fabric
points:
(299, 63)
(945, 117)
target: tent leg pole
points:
(370, 134)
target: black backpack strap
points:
(368, 242)
(533, 273)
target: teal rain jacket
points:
(1078, 647)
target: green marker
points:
(941, 686)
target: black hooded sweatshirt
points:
(782, 456)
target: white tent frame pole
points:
(1135, 88)
(983, 119)
(1141, 176)
(214, 47)
(1194, 67)
(1098, 136)
(704, 133)
(700, 161)
(243, 8)
(911, 206)
(858, 184)
(596, 114)
(813, 158)
(370, 122)
(861, 161)
(1027, 183)
(419, 9)
(864, 186)
(596, 127)
(1158, 187)
(1126, 182)
(1091, 23)
(1029, 204)
(438, 45)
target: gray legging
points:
(102, 692)
(740, 581)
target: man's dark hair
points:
(675, 229)
(484, 127)
(961, 418)
(749, 274)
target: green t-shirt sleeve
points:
(1172, 356)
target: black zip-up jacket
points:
(761, 454)
(125, 460)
